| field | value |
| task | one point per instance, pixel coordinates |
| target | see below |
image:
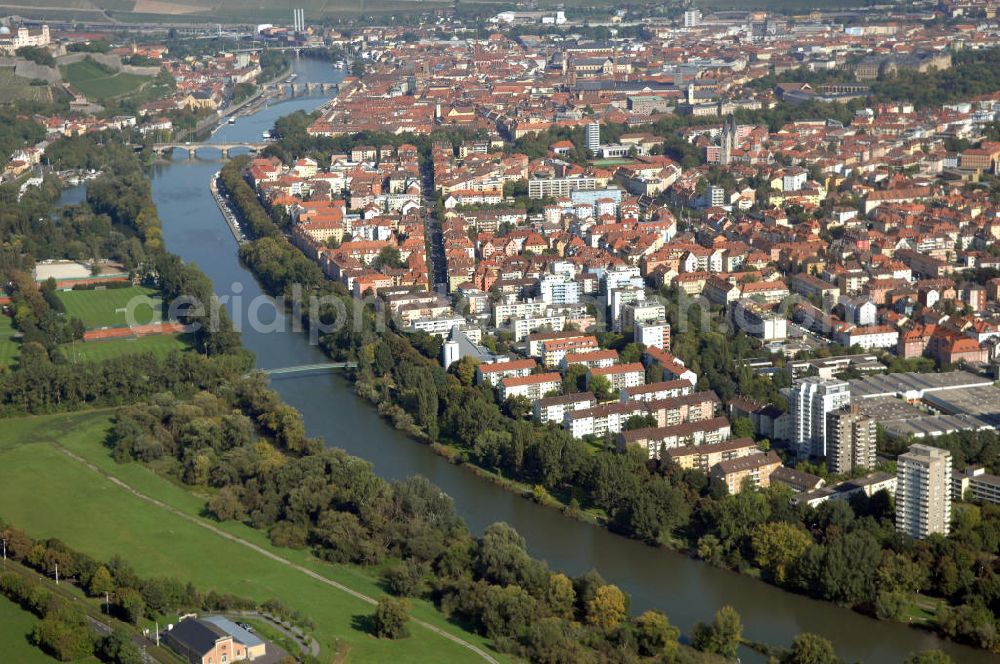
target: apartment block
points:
(704, 457)
(809, 400)
(554, 409)
(532, 387)
(494, 372)
(620, 376)
(923, 491)
(850, 441)
(657, 440)
(747, 472)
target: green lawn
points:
(97, 83)
(112, 307)
(95, 351)
(15, 629)
(85, 509)
(9, 348)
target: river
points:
(687, 590)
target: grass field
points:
(89, 512)
(95, 351)
(97, 83)
(15, 628)
(112, 307)
(9, 348)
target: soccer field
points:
(112, 307)
(95, 351)
(84, 508)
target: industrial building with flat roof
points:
(928, 405)
(913, 386)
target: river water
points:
(687, 590)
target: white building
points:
(494, 372)
(532, 387)
(559, 289)
(860, 311)
(692, 18)
(809, 401)
(923, 491)
(618, 298)
(450, 352)
(10, 40)
(620, 376)
(438, 326)
(868, 337)
(503, 312)
(593, 137)
(759, 322)
(554, 409)
(642, 311)
(522, 327)
(652, 333)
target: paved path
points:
(273, 556)
(307, 644)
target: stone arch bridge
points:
(193, 148)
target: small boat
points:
(339, 64)
(232, 120)
(266, 134)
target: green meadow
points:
(83, 506)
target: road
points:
(436, 263)
(272, 556)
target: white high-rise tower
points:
(809, 400)
(923, 491)
(593, 137)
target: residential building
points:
(850, 440)
(974, 483)
(554, 350)
(652, 333)
(494, 372)
(809, 400)
(593, 137)
(923, 491)
(656, 440)
(559, 289)
(704, 457)
(532, 387)
(657, 391)
(621, 376)
(749, 471)
(554, 409)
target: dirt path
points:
(273, 556)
